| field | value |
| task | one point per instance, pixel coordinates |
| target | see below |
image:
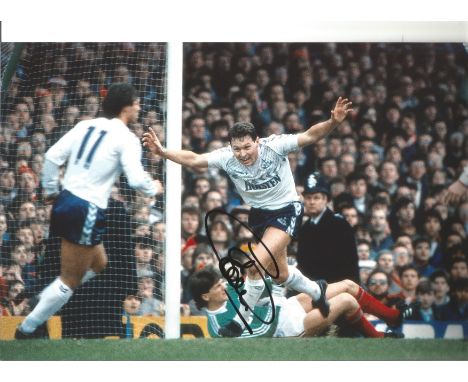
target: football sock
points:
(88, 276)
(254, 289)
(297, 281)
(361, 323)
(52, 299)
(370, 304)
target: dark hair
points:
(190, 210)
(421, 239)
(326, 159)
(408, 267)
(200, 249)
(242, 129)
(439, 273)
(200, 283)
(424, 286)
(145, 242)
(119, 96)
(355, 176)
(433, 213)
(204, 197)
(459, 284)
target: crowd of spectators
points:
(386, 165)
(54, 87)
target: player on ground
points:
(260, 171)
(295, 316)
(97, 151)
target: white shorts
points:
(291, 319)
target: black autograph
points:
(231, 269)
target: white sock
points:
(88, 276)
(52, 299)
(254, 289)
(297, 281)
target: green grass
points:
(288, 349)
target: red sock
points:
(373, 306)
(358, 320)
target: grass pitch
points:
(261, 349)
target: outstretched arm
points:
(183, 157)
(322, 129)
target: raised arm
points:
(322, 129)
(183, 157)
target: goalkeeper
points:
(97, 151)
(295, 316)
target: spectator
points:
(378, 285)
(422, 256)
(337, 188)
(440, 284)
(402, 219)
(319, 255)
(431, 228)
(401, 256)
(386, 263)
(363, 249)
(350, 214)
(346, 164)
(15, 304)
(8, 191)
(4, 237)
(426, 310)
(416, 176)
(365, 269)
(191, 222)
(221, 236)
(459, 269)
(409, 277)
(150, 305)
(388, 176)
(379, 230)
(458, 305)
(358, 189)
(145, 257)
(201, 186)
(132, 305)
(329, 168)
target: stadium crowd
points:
(386, 166)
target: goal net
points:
(46, 89)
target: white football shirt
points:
(98, 150)
(269, 182)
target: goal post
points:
(173, 190)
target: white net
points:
(52, 87)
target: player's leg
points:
(75, 261)
(368, 303)
(98, 264)
(269, 256)
(342, 305)
(277, 241)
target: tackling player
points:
(97, 151)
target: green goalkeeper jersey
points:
(263, 309)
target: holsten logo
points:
(262, 186)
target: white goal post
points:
(173, 190)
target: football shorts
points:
(287, 219)
(77, 220)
